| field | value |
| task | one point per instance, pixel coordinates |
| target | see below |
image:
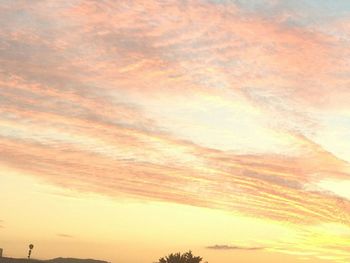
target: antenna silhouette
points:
(31, 246)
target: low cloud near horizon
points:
(65, 235)
(229, 247)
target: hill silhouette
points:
(55, 260)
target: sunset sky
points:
(133, 129)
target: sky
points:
(133, 129)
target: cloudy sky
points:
(132, 129)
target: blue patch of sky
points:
(303, 12)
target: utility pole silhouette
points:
(31, 246)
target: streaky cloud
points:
(200, 103)
(65, 236)
(230, 247)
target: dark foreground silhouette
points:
(187, 257)
(55, 260)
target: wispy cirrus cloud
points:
(199, 103)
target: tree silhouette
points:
(180, 258)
